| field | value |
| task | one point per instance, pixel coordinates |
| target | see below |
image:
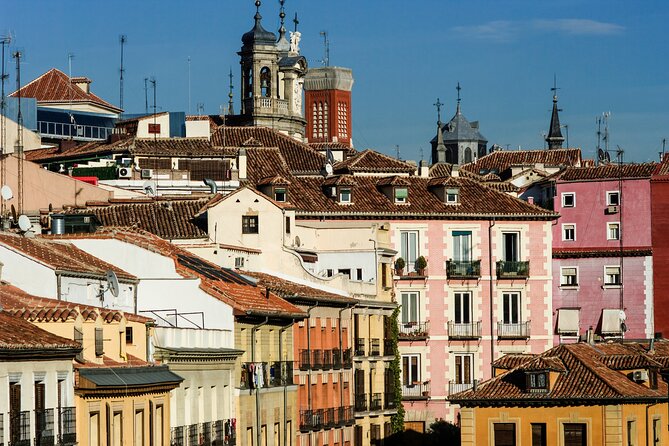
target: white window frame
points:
(562, 276)
(519, 310)
(341, 195)
(609, 193)
(400, 200)
(405, 317)
(564, 232)
(464, 254)
(404, 250)
(573, 195)
(608, 230)
(610, 284)
(412, 379)
(462, 370)
(283, 191)
(517, 246)
(464, 297)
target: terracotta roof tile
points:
(91, 148)
(17, 334)
(608, 172)
(393, 181)
(663, 167)
(55, 86)
(503, 160)
(179, 147)
(512, 360)
(439, 170)
(373, 162)
(61, 256)
(274, 181)
(288, 289)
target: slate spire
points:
(554, 137)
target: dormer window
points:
(537, 381)
(401, 195)
(280, 194)
(344, 194)
(453, 195)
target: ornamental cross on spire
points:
(296, 22)
(458, 88)
(438, 104)
(555, 87)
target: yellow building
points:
(571, 395)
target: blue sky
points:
(608, 56)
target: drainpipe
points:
(58, 285)
(308, 326)
(285, 391)
(492, 341)
(135, 297)
(253, 357)
(341, 354)
(376, 265)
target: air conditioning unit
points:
(640, 375)
(147, 174)
(125, 172)
(612, 209)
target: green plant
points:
(421, 263)
(397, 420)
(400, 263)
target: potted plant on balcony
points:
(399, 266)
(421, 264)
(425, 391)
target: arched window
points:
(265, 82)
(468, 155)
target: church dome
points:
(258, 35)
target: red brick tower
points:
(327, 105)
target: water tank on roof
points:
(57, 224)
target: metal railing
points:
(520, 330)
(417, 391)
(316, 419)
(210, 433)
(317, 359)
(376, 402)
(19, 428)
(413, 330)
(389, 401)
(259, 375)
(464, 330)
(68, 426)
(326, 359)
(347, 358)
(457, 269)
(345, 416)
(375, 347)
(360, 347)
(336, 359)
(74, 131)
(454, 387)
(44, 428)
(329, 419)
(513, 270)
(361, 402)
(177, 436)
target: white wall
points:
(27, 274)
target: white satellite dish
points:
(112, 283)
(24, 223)
(149, 188)
(328, 169)
(6, 192)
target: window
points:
(463, 308)
(409, 248)
(239, 262)
(409, 308)
(452, 195)
(345, 271)
(463, 369)
(505, 434)
(462, 246)
(345, 195)
(568, 276)
(575, 434)
(249, 224)
(99, 342)
(657, 431)
(569, 232)
(94, 429)
(511, 308)
(537, 381)
(358, 274)
(612, 275)
(280, 194)
(613, 231)
(613, 198)
(538, 434)
(117, 429)
(410, 369)
(265, 82)
(401, 194)
(287, 225)
(568, 200)
(510, 246)
(631, 433)
(139, 427)
(468, 155)
(158, 425)
(128, 335)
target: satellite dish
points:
(6, 192)
(24, 223)
(607, 156)
(298, 242)
(148, 188)
(112, 283)
(328, 169)
(329, 156)
(600, 154)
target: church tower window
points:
(468, 155)
(265, 82)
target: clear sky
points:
(608, 56)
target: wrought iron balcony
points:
(376, 402)
(225, 433)
(361, 402)
(520, 330)
(326, 362)
(178, 437)
(259, 375)
(68, 421)
(329, 419)
(317, 359)
(360, 347)
(345, 416)
(336, 359)
(44, 428)
(454, 387)
(19, 429)
(375, 347)
(347, 356)
(416, 391)
(411, 331)
(513, 270)
(305, 360)
(467, 330)
(458, 269)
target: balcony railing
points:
(193, 434)
(375, 347)
(361, 402)
(376, 402)
(68, 422)
(225, 433)
(456, 269)
(316, 419)
(416, 391)
(44, 428)
(317, 359)
(389, 401)
(414, 330)
(259, 375)
(520, 330)
(74, 131)
(513, 270)
(305, 360)
(177, 436)
(326, 362)
(19, 429)
(345, 416)
(467, 330)
(360, 347)
(264, 104)
(454, 387)
(214, 433)
(329, 419)
(336, 359)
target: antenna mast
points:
(189, 100)
(6, 40)
(326, 45)
(146, 95)
(19, 141)
(231, 108)
(153, 84)
(122, 40)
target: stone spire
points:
(554, 137)
(440, 150)
(282, 44)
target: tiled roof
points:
(393, 181)
(41, 309)
(373, 162)
(18, 335)
(608, 172)
(179, 147)
(299, 157)
(575, 253)
(502, 160)
(662, 168)
(274, 181)
(169, 219)
(586, 374)
(340, 180)
(334, 146)
(512, 360)
(289, 290)
(91, 148)
(439, 170)
(55, 86)
(308, 196)
(61, 256)
(264, 162)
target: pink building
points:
(602, 258)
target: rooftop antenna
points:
(189, 102)
(566, 127)
(619, 158)
(458, 88)
(122, 39)
(17, 55)
(664, 142)
(70, 56)
(397, 151)
(231, 108)
(153, 85)
(4, 41)
(326, 44)
(146, 95)
(600, 152)
(200, 108)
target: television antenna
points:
(18, 55)
(326, 45)
(4, 41)
(122, 40)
